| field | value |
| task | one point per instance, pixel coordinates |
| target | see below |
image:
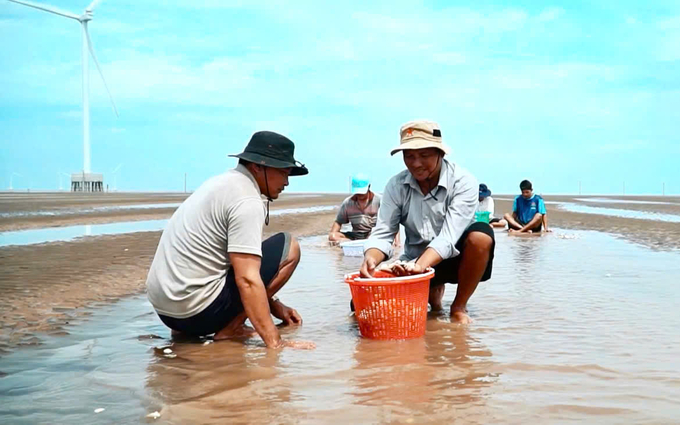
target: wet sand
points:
(47, 285)
(56, 202)
(653, 234)
(555, 339)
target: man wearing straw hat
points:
(435, 200)
(212, 271)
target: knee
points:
(478, 241)
(507, 216)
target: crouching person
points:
(212, 271)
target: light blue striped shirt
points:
(434, 220)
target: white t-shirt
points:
(486, 204)
(225, 214)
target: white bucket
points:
(353, 248)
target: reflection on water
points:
(566, 331)
(55, 234)
(618, 212)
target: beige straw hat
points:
(421, 134)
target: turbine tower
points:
(85, 180)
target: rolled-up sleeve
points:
(389, 215)
(459, 215)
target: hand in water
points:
(298, 345)
(289, 315)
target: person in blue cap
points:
(486, 204)
(360, 209)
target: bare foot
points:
(460, 316)
(229, 332)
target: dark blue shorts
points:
(447, 270)
(228, 304)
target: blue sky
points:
(554, 92)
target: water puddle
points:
(546, 346)
(68, 233)
(623, 201)
(88, 210)
(617, 212)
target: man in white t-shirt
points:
(212, 271)
(486, 204)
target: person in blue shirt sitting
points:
(528, 212)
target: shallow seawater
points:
(619, 212)
(575, 326)
(68, 233)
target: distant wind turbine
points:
(86, 16)
(115, 176)
(11, 179)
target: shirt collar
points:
(447, 168)
(243, 170)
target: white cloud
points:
(73, 114)
(550, 14)
(672, 23)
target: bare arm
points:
(545, 223)
(397, 240)
(429, 258)
(334, 235)
(254, 296)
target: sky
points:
(554, 92)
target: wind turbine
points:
(11, 179)
(83, 19)
(115, 177)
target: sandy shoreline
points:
(65, 202)
(46, 286)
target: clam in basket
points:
(391, 307)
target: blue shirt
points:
(526, 209)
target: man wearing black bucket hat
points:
(212, 271)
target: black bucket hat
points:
(272, 150)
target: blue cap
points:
(360, 184)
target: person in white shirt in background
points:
(486, 204)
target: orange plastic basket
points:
(390, 307)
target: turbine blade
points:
(117, 168)
(94, 57)
(92, 5)
(47, 8)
